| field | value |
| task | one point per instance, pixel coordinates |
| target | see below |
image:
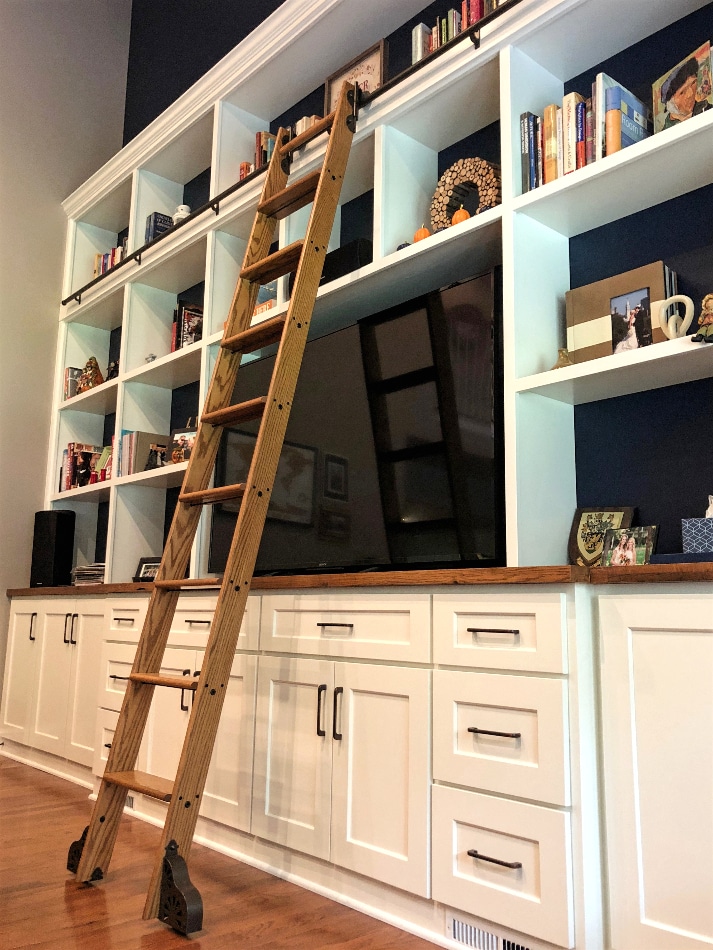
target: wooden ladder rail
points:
(188, 787)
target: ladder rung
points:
(189, 582)
(242, 412)
(262, 334)
(212, 496)
(157, 679)
(274, 265)
(304, 137)
(152, 785)
(292, 198)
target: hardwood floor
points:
(42, 906)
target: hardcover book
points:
(626, 119)
(71, 380)
(684, 91)
(420, 42)
(157, 223)
(549, 138)
(569, 130)
(617, 314)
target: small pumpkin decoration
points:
(460, 215)
(422, 233)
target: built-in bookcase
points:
(463, 102)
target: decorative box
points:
(697, 535)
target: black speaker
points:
(52, 548)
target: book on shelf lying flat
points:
(618, 313)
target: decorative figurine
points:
(150, 358)
(91, 376)
(112, 370)
(704, 333)
(181, 212)
(676, 326)
(563, 358)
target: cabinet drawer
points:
(534, 898)
(529, 761)
(104, 736)
(116, 662)
(194, 615)
(514, 632)
(371, 626)
(126, 617)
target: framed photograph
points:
(146, 569)
(589, 527)
(628, 547)
(293, 491)
(631, 320)
(684, 91)
(336, 477)
(368, 69)
(181, 445)
(333, 525)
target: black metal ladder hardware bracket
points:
(181, 904)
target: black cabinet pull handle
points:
(66, 621)
(193, 692)
(489, 732)
(115, 676)
(348, 626)
(198, 621)
(184, 706)
(337, 692)
(107, 745)
(123, 619)
(33, 617)
(320, 691)
(477, 630)
(71, 630)
(513, 865)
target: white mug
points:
(675, 326)
(181, 212)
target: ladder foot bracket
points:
(181, 906)
(74, 855)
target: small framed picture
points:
(628, 547)
(146, 569)
(631, 320)
(589, 526)
(181, 446)
(368, 70)
(336, 477)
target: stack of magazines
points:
(88, 574)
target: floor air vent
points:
(471, 936)
(129, 801)
(510, 945)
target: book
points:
(683, 91)
(454, 23)
(569, 131)
(71, 380)
(600, 85)
(589, 132)
(142, 447)
(420, 42)
(626, 119)
(560, 145)
(102, 462)
(476, 11)
(157, 223)
(532, 139)
(264, 145)
(581, 109)
(525, 149)
(191, 328)
(85, 457)
(618, 313)
(549, 142)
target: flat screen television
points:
(393, 452)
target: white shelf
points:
(171, 371)
(92, 494)
(652, 367)
(100, 400)
(170, 476)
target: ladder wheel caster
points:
(75, 852)
(181, 906)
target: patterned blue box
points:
(697, 535)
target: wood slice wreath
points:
(458, 183)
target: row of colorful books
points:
(187, 325)
(84, 464)
(425, 39)
(142, 451)
(105, 262)
(581, 130)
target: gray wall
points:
(62, 89)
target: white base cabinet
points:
(342, 765)
(657, 723)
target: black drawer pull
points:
(320, 691)
(115, 676)
(350, 626)
(65, 638)
(124, 619)
(477, 630)
(337, 692)
(107, 745)
(488, 732)
(513, 865)
(198, 621)
(33, 617)
(184, 706)
(71, 630)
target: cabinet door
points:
(49, 718)
(381, 773)
(20, 669)
(168, 719)
(228, 788)
(86, 632)
(293, 753)
(657, 722)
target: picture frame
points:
(589, 527)
(146, 569)
(629, 547)
(368, 69)
(181, 445)
(336, 477)
(293, 492)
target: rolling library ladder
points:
(171, 896)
